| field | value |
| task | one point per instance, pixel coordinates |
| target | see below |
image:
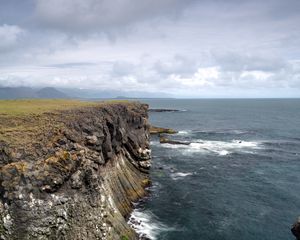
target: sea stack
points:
(73, 173)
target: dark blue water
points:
(239, 179)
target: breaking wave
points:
(221, 148)
(180, 175)
(146, 224)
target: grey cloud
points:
(72, 64)
(122, 68)
(234, 61)
(16, 12)
(104, 15)
(9, 35)
(283, 9)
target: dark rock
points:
(163, 139)
(296, 229)
(163, 110)
(159, 130)
(61, 142)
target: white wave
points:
(180, 175)
(236, 131)
(183, 132)
(154, 143)
(146, 224)
(221, 148)
(224, 152)
(226, 131)
(175, 146)
(231, 131)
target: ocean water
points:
(239, 179)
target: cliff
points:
(72, 173)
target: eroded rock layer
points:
(79, 177)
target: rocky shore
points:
(73, 173)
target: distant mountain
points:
(96, 93)
(27, 92)
(50, 92)
(16, 92)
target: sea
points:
(239, 179)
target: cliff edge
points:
(72, 172)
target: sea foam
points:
(180, 175)
(145, 223)
(221, 148)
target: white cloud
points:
(257, 75)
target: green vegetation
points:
(22, 120)
(124, 237)
(38, 106)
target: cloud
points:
(102, 15)
(238, 61)
(177, 65)
(71, 65)
(122, 68)
(9, 35)
(133, 76)
(189, 48)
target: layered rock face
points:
(79, 177)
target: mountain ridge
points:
(28, 92)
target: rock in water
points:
(296, 229)
(163, 139)
(163, 110)
(159, 130)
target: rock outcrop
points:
(163, 110)
(296, 229)
(77, 175)
(159, 130)
(163, 139)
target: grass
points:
(23, 107)
(37, 106)
(21, 120)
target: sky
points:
(178, 48)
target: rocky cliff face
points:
(77, 177)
